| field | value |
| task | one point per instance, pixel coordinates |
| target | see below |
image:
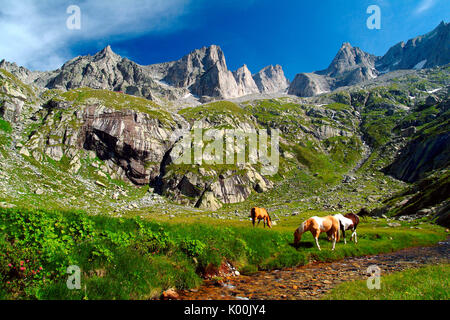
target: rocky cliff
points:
(245, 81)
(271, 79)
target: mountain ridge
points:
(202, 75)
(352, 65)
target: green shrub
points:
(5, 126)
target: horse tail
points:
(268, 217)
(337, 227)
(341, 225)
(337, 231)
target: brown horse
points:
(316, 225)
(260, 214)
(355, 220)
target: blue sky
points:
(302, 36)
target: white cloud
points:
(34, 33)
(424, 6)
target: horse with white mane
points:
(316, 225)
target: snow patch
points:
(435, 90)
(420, 65)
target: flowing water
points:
(314, 280)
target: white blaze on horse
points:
(348, 222)
(316, 225)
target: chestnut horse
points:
(355, 221)
(260, 214)
(316, 225)
(348, 222)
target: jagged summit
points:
(271, 79)
(245, 82)
(203, 73)
(349, 58)
(352, 65)
(107, 53)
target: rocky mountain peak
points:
(245, 82)
(187, 71)
(349, 57)
(350, 66)
(107, 54)
(271, 79)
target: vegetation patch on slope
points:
(115, 101)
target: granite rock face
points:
(271, 79)
(420, 157)
(349, 59)
(308, 85)
(245, 82)
(131, 143)
(203, 72)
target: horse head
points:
(298, 234)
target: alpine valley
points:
(368, 135)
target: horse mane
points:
(353, 217)
(305, 225)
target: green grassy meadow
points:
(133, 258)
(427, 283)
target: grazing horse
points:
(260, 214)
(316, 225)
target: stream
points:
(312, 281)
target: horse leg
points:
(343, 234)
(334, 239)
(259, 221)
(354, 234)
(316, 235)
